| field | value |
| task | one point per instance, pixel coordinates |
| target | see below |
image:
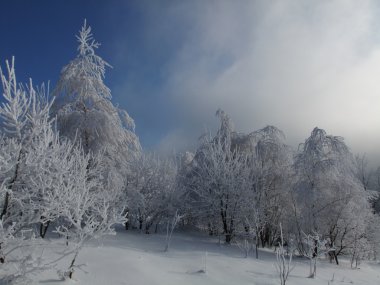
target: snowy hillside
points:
(134, 258)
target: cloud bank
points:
(292, 64)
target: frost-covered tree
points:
(329, 197)
(170, 226)
(151, 191)
(360, 246)
(27, 139)
(364, 174)
(8, 149)
(13, 113)
(27, 129)
(376, 187)
(284, 262)
(84, 210)
(219, 185)
(53, 163)
(315, 246)
(270, 166)
(44, 179)
(84, 111)
(254, 167)
(218, 182)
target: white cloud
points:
(294, 64)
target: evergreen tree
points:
(84, 110)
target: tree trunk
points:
(315, 250)
(228, 238)
(336, 258)
(10, 186)
(71, 268)
(147, 227)
(127, 225)
(5, 206)
(257, 246)
(156, 228)
(210, 229)
(2, 256)
(44, 228)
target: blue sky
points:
(41, 35)
(292, 64)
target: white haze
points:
(292, 64)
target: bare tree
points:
(170, 228)
(283, 263)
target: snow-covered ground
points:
(131, 258)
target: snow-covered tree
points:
(219, 186)
(45, 178)
(27, 129)
(270, 166)
(85, 113)
(363, 173)
(27, 139)
(284, 263)
(329, 197)
(315, 247)
(151, 191)
(254, 167)
(13, 113)
(170, 226)
(218, 182)
(84, 209)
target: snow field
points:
(131, 258)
